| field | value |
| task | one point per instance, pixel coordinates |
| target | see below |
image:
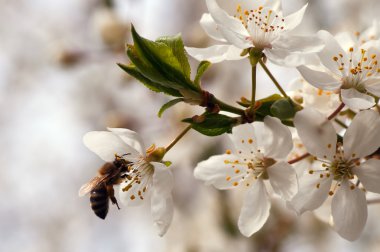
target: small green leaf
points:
(144, 66)
(283, 109)
(163, 60)
(176, 44)
(168, 105)
(202, 68)
(212, 124)
(156, 87)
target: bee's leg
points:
(111, 194)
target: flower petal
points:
(231, 28)
(346, 40)
(283, 179)
(255, 210)
(316, 132)
(304, 44)
(218, 171)
(349, 211)
(216, 53)
(319, 79)
(282, 142)
(162, 212)
(312, 192)
(372, 32)
(162, 179)
(253, 5)
(287, 58)
(294, 19)
(244, 139)
(372, 85)
(106, 144)
(262, 136)
(211, 28)
(161, 201)
(369, 175)
(131, 138)
(356, 100)
(362, 138)
(331, 50)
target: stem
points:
(273, 79)
(225, 107)
(175, 141)
(295, 160)
(340, 123)
(336, 112)
(253, 99)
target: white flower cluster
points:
(343, 69)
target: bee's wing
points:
(86, 188)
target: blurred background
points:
(59, 80)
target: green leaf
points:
(176, 44)
(283, 109)
(212, 124)
(145, 67)
(202, 68)
(168, 105)
(156, 87)
(163, 59)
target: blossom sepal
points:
(274, 105)
(283, 108)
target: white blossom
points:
(259, 153)
(261, 26)
(354, 72)
(338, 167)
(348, 39)
(310, 96)
(145, 176)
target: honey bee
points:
(101, 187)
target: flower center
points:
(340, 168)
(138, 179)
(263, 24)
(358, 66)
(247, 169)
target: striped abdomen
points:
(99, 201)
